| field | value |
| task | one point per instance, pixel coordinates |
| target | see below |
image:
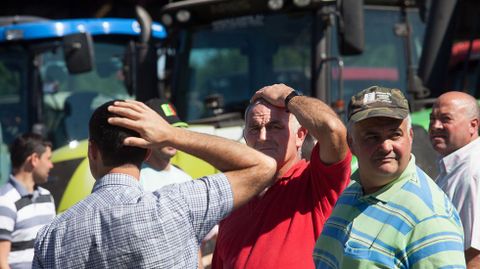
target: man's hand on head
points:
(274, 94)
(137, 116)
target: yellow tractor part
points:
(81, 181)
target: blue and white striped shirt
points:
(409, 223)
(121, 226)
(22, 214)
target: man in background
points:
(157, 170)
(24, 206)
(454, 134)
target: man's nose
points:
(262, 134)
(435, 124)
(386, 145)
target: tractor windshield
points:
(231, 59)
(14, 118)
(70, 99)
(228, 60)
(67, 100)
(384, 60)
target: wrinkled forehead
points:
(262, 108)
(452, 106)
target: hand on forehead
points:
(263, 109)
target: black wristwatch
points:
(289, 97)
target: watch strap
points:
(289, 97)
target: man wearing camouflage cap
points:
(392, 215)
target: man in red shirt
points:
(278, 228)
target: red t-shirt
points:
(279, 229)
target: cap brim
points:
(180, 124)
(379, 112)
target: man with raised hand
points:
(120, 225)
(279, 227)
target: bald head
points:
(453, 122)
(461, 100)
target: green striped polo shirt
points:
(409, 223)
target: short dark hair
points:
(109, 139)
(26, 144)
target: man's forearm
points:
(314, 115)
(323, 124)
(247, 170)
(5, 247)
(226, 155)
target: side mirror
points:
(78, 52)
(351, 33)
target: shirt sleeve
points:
(209, 200)
(329, 181)
(8, 215)
(36, 261)
(37, 248)
(469, 210)
(436, 242)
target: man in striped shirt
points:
(24, 206)
(393, 215)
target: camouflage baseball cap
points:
(378, 102)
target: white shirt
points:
(152, 179)
(459, 178)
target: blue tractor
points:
(54, 73)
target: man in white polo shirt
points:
(454, 134)
(24, 206)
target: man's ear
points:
(474, 126)
(350, 143)
(301, 135)
(147, 156)
(31, 160)
(92, 150)
(411, 135)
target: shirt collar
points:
(389, 190)
(19, 186)
(292, 171)
(452, 160)
(115, 179)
